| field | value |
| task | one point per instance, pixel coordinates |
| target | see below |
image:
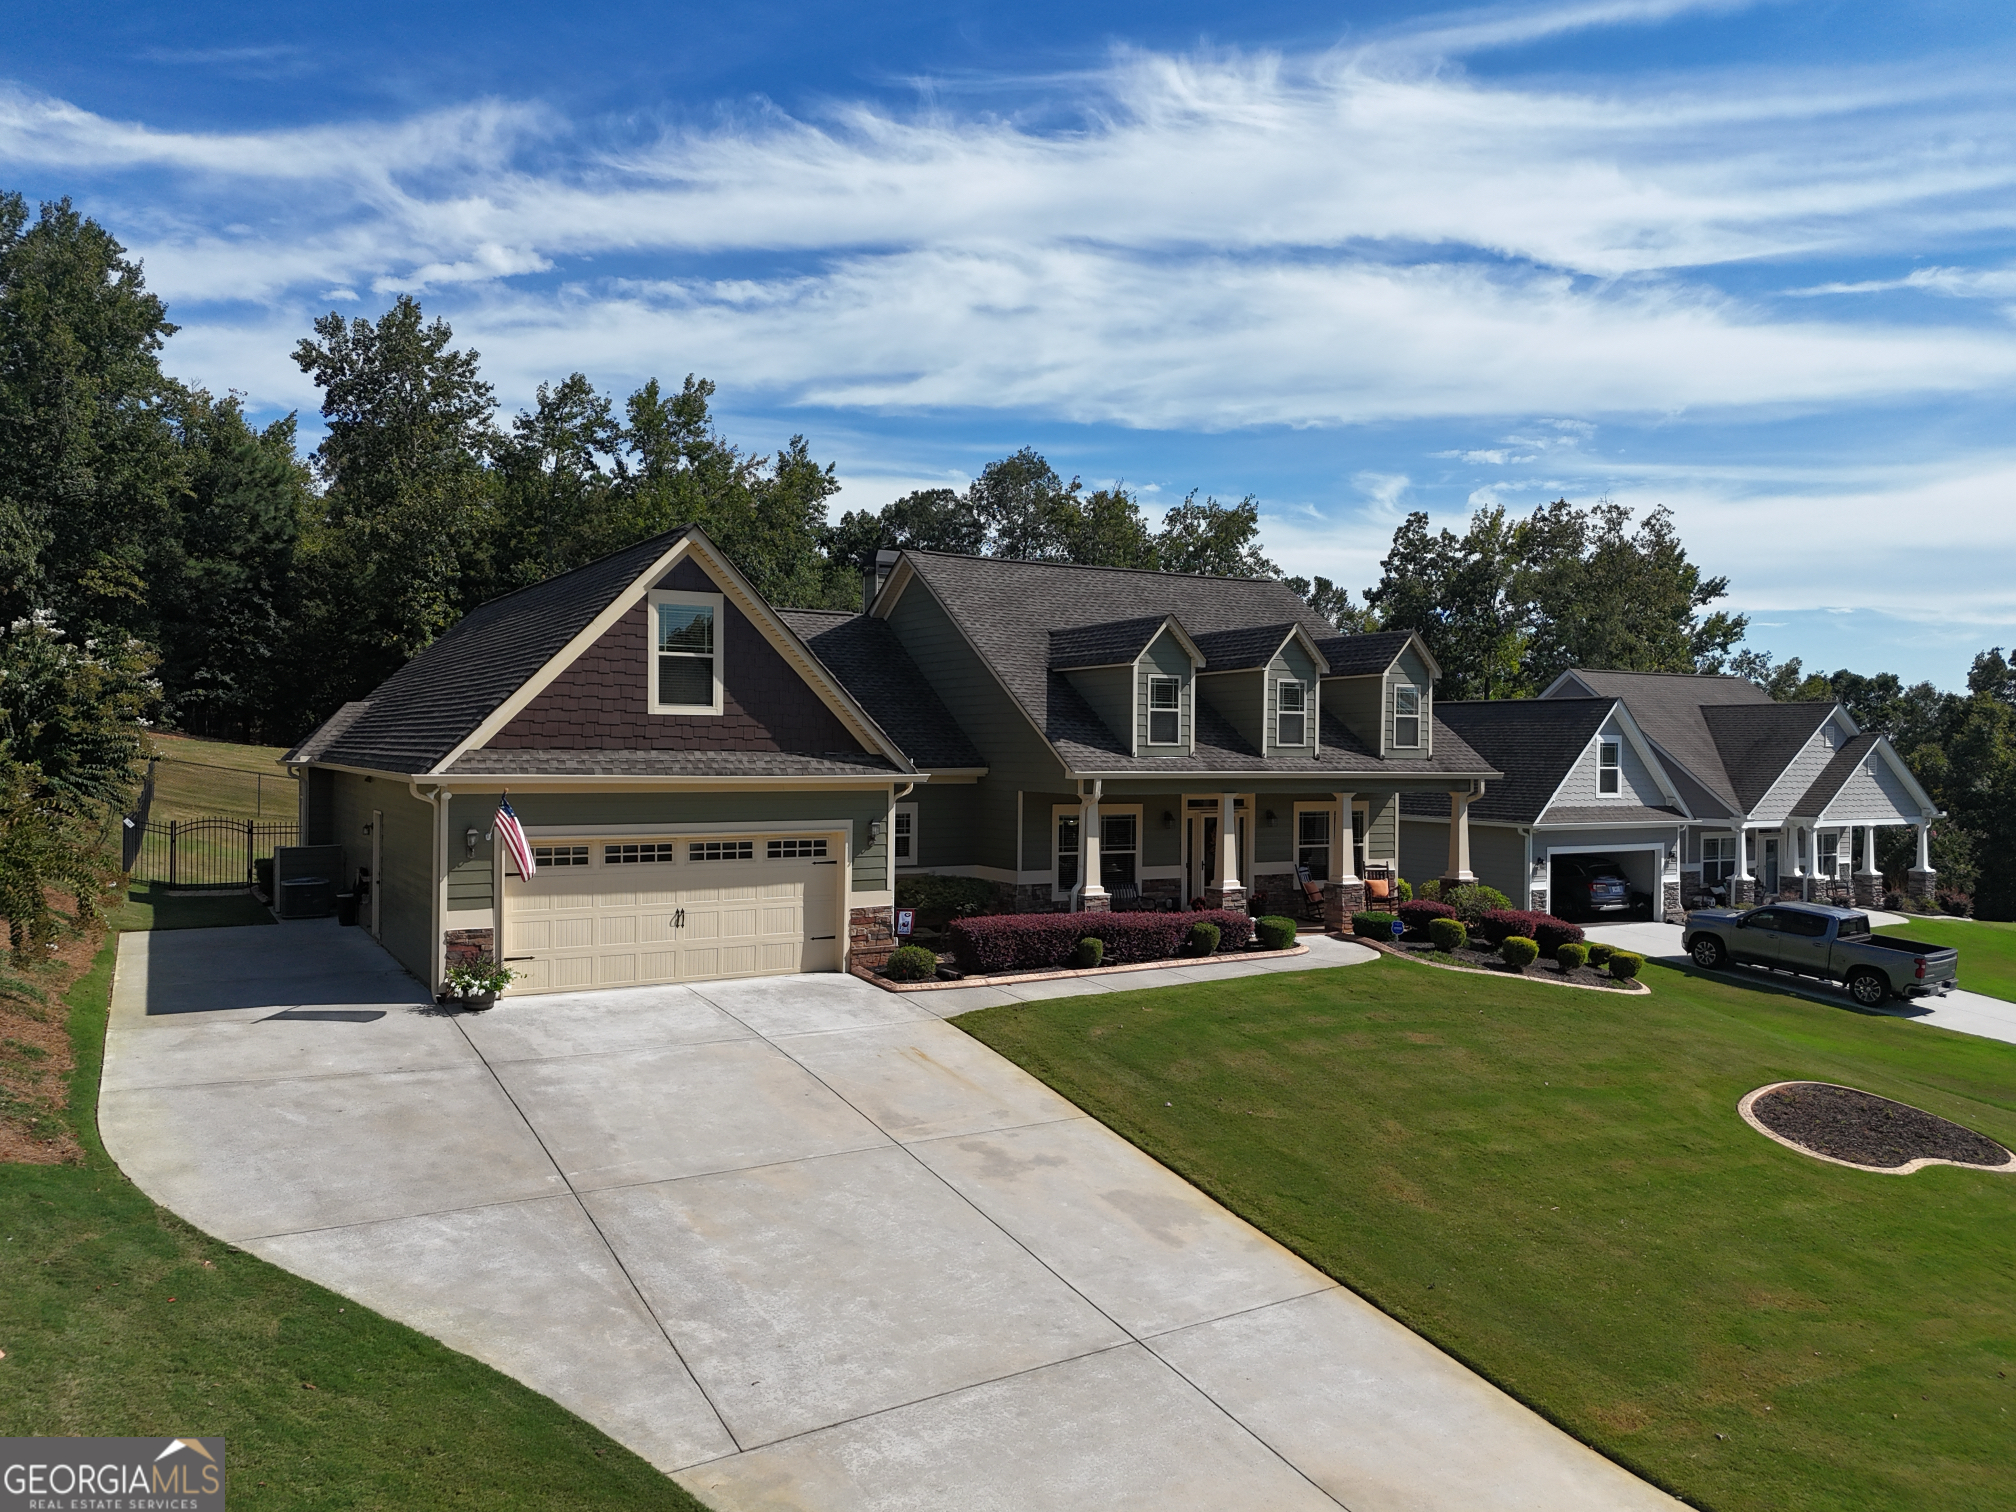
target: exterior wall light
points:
(469, 838)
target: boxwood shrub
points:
(1035, 941)
(1624, 964)
(1373, 924)
(1571, 957)
(1274, 932)
(1448, 934)
(911, 963)
(1518, 951)
(1090, 952)
(1204, 937)
(1599, 953)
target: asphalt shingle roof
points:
(1533, 741)
(1103, 645)
(512, 763)
(1361, 655)
(1758, 741)
(867, 659)
(1009, 610)
(1670, 708)
(1836, 772)
(1242, 649)
(425, 709)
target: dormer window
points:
(685, 653)
(1406, 716)
(1165, 707)
(1609, 767)
(1291, 714)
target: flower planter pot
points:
(476, 1002)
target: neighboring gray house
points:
(1693, 784)
(714, 787)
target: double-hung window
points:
(1830, 854)
(1165, 711)
(1406, 716)
(1609, 766)
(1067, 852)
(685, 653)
(1718, 859)
(1119, 840)
(1291, 713)
(903, 838)
(1312, 844)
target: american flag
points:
(514, 839)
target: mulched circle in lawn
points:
(1860, 1128)
(1490, 960)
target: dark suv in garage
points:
(1595, 887)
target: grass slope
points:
(208, 779)
(118, 1318)
(1987, 951)
(1555, 1187)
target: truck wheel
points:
(1708, 953)
(1868, 987)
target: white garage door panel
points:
(619, 924)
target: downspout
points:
(437, 952)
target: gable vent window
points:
(795, 850)
(544, 856)
(1291, 727)
(686, 653)
(632, 855)
(1406, 716)
(1165, 711)
(721, 850)
(1609, 773)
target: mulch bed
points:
(1864, 1129)
(1490, 960)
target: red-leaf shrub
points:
(1011, 942)
(1544, 930)
(1418, 914)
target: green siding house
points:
(714, 787)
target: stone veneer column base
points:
(1231, 899)
(1669, 901)
(1868, 890)
(1163, 892)
(1340, 901)
(1539, 904)
(1034, 897)
(1742, 891)
(871, 936)
(1095, 903)
(1920, 883)
(465, 947)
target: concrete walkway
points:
(795, 1240)
(1961, 1011)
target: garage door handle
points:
(825, 863)
(518, 958)
(679, 919)
(822, 937)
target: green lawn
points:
(118, 1318)
(210, 779)
(1987, 951)
(1555, 1187)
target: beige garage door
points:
(626, 912)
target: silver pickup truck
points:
(1813, 939)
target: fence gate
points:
(198, 853)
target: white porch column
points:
(1459, 837)
(1868, 867)
(1229, 892)
(1925, 846)
(1091, 895)
(1868, 882)
(1345, 867)
(1923, 879)
(1797, 837)
(1742, 886)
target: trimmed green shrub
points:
(911, 963)
(1275, 932)
(1624, 964)
(1571, 957)
(1090, 952)
(1403, 890)
(1519, 952)
(1373, 924)
(1203, 938)
(1471, 900)
(1599, 954)
(1448, 934)
(939, 900)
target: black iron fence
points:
(203, 852)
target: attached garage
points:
(1641, 865)
(630, 910)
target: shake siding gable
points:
(1866, 798)
(600, 701)
(1799, 775)
(1636, 784)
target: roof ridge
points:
(663, 535)
(1208, 577)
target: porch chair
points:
(1312, 894)
(1380, 888)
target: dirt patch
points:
(35, 1058)
(1856, 1128)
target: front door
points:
(1203, 867)
(1770, 868)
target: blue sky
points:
(1754, 261)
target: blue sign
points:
(1398, 929)
(905, 918)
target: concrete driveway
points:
(797, 1241)
(1961, 1011)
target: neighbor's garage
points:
(622, 911)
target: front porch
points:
(1812, 862)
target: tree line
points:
(208, 574)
